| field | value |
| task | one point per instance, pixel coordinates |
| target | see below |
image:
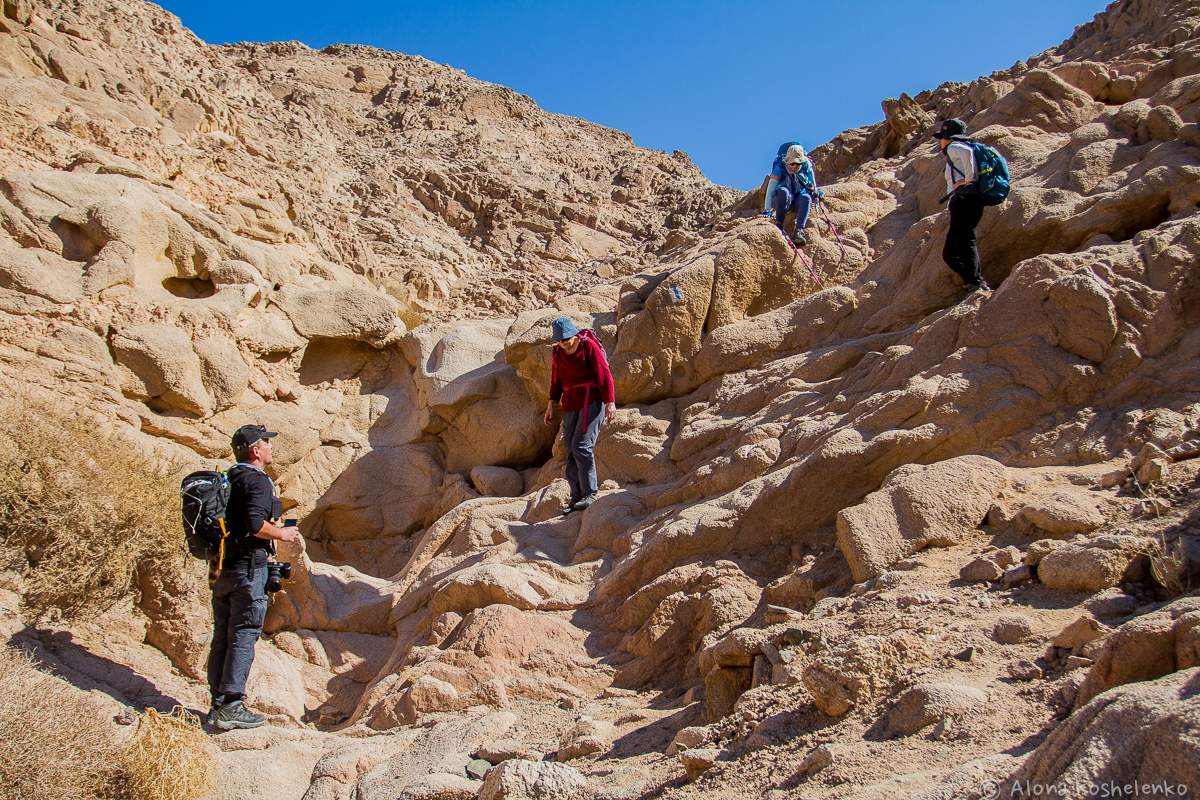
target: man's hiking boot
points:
(982, 286)
(236, 715)
(580, 505)
(799, 239)
(569, 507)
(211, 716)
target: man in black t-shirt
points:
(239, 597)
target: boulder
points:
(497, 481)
(342, 312)
(917, 507)
(1061, 515)
(1145, 648)
(533, 780)
(860, 670)
(930, 703)
(440, 786)
(587, 737)
(1147, 731)
(1094, 564)
(165, 368)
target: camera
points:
(277, 573)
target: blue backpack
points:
(991, 172)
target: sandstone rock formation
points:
(820, 510)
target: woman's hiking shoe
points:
(799, 239)
(580, 505)
(236, 715)
(569, 507)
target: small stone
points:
(1069, 690)
(506, 750)
(1083, 630)
(1111, 603)
(981, 570)
(816, 760)
(793, 636)
(1076, 662)
(477, 768)
(1024, 670)
(1012, 629)
(689, 738)
(773, 615)
(699, 760)
(772, 653)
(127, 716)
(610, 692)
(942, 729)
(1017, 574)
(1006, 558)
(760, 674)
(965, 654)
(1153, 471)
(1111, 480)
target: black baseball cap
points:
(249, 434)
(950, 128)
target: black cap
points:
(249, 434)
(950, 128)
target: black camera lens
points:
(277, 573)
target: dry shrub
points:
(54, 744)
(170, 758)
(80, 510)
(1169, 567)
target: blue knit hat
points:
(563, 329)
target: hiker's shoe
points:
(982, 286)
(767, 214)
(215, 704)
(799, 239)
(236, 715)
(580, 505)
(570, 506)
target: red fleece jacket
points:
(576, 378)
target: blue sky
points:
(724, 81)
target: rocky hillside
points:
(867, 540)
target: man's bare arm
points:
(271, 531)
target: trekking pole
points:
(807, 262)
(833, 229)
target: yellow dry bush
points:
(80, 510)
(54, 744)
(170, 758)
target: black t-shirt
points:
(252, 501)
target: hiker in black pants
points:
(961, 253)
(239, 594)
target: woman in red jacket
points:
(582, 385)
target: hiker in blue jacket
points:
(773, 177)
(792, 187)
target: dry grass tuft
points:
(54, 745)
(170, 758)
(80, 511)
(1169, 567)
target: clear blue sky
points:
(724, 81)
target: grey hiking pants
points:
(579, 433)
(239, 603)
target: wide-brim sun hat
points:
(795, 155)
(562, 329)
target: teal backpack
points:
(991, 172)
